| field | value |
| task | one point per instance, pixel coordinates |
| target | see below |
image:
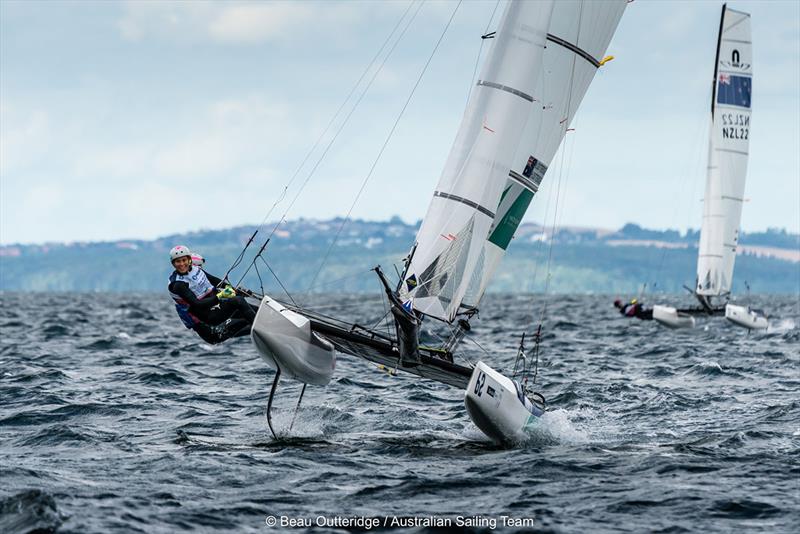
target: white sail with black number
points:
(578, 37)
(450, 241)
(728, 151)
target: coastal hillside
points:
(582, 260)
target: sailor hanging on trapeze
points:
(205, 303)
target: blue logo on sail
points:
(734, 90)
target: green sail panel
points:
(519, 199)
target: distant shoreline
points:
(584, 260)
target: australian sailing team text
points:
(368, 523)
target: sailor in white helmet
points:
(215, 314)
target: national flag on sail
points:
(411, 282)
(734, 90)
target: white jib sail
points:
(450, 241)
(579, 34)
(727, 159)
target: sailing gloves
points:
(226, 293)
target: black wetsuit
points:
(216, 320)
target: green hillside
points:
(582, 260)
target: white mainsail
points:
(727, 155)
(450, 241)
(579, 34)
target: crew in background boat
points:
(634, 309)
(214, 314)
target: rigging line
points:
(349, 114)
(338, 306)
(280, 198)
(385, 308)
(479, 346)
(480, 49)
(359, 274)
(542, 234)
(691, 164)
(379, 321)
(346, 119)
(260, 281)
(554, 166)
(555, 225)
(443, 341)
(690, 211)
(561, 172)
(386, 142)
(335, 115)
(239, 258)
(539, 245)
(461, 354)
(278, 280)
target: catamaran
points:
(543, 57)
(725, 179)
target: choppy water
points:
(115, 418)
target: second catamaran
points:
(725, 179)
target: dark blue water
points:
(115, 418)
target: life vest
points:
(198, 284)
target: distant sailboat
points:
(543, 57)
(725, 180)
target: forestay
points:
(728, 150)
(450, 240)
(577, 40)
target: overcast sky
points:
(142, 119)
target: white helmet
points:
(197, 259)
(179, 252)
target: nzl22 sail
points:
(541, 62)
(727, 155)
(728, 149)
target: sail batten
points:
(569, 46)
(527, 183)
(467, 202)
(507, 89)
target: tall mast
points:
(716, 61)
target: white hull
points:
(745, 317)
(493, 403)
(285, 340)
(669, 316)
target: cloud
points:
(255, 23)
(231, 145)
(170, 20)
(43, 198)
(24, 136)
(228, 136)
(240, 22)
(194, 99)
